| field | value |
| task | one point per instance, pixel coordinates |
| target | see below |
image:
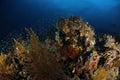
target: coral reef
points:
(31, 62)
(75, 53)
(86, 55)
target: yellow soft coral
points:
(3, 66)
(2, 59)
(6, 72)
(100, 74)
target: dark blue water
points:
(15, 15)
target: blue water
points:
(15, 15)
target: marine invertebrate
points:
(116, 62)
(113, 73)
(71, 52)
(75, 52)
(43, 63)
(99, 74)
(110, 41)
(93, 63)
(78, 43)
(6, 71)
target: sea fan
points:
(43, 64)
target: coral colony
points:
(75, 53)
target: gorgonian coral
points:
(38, 61)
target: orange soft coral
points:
(71, 52)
